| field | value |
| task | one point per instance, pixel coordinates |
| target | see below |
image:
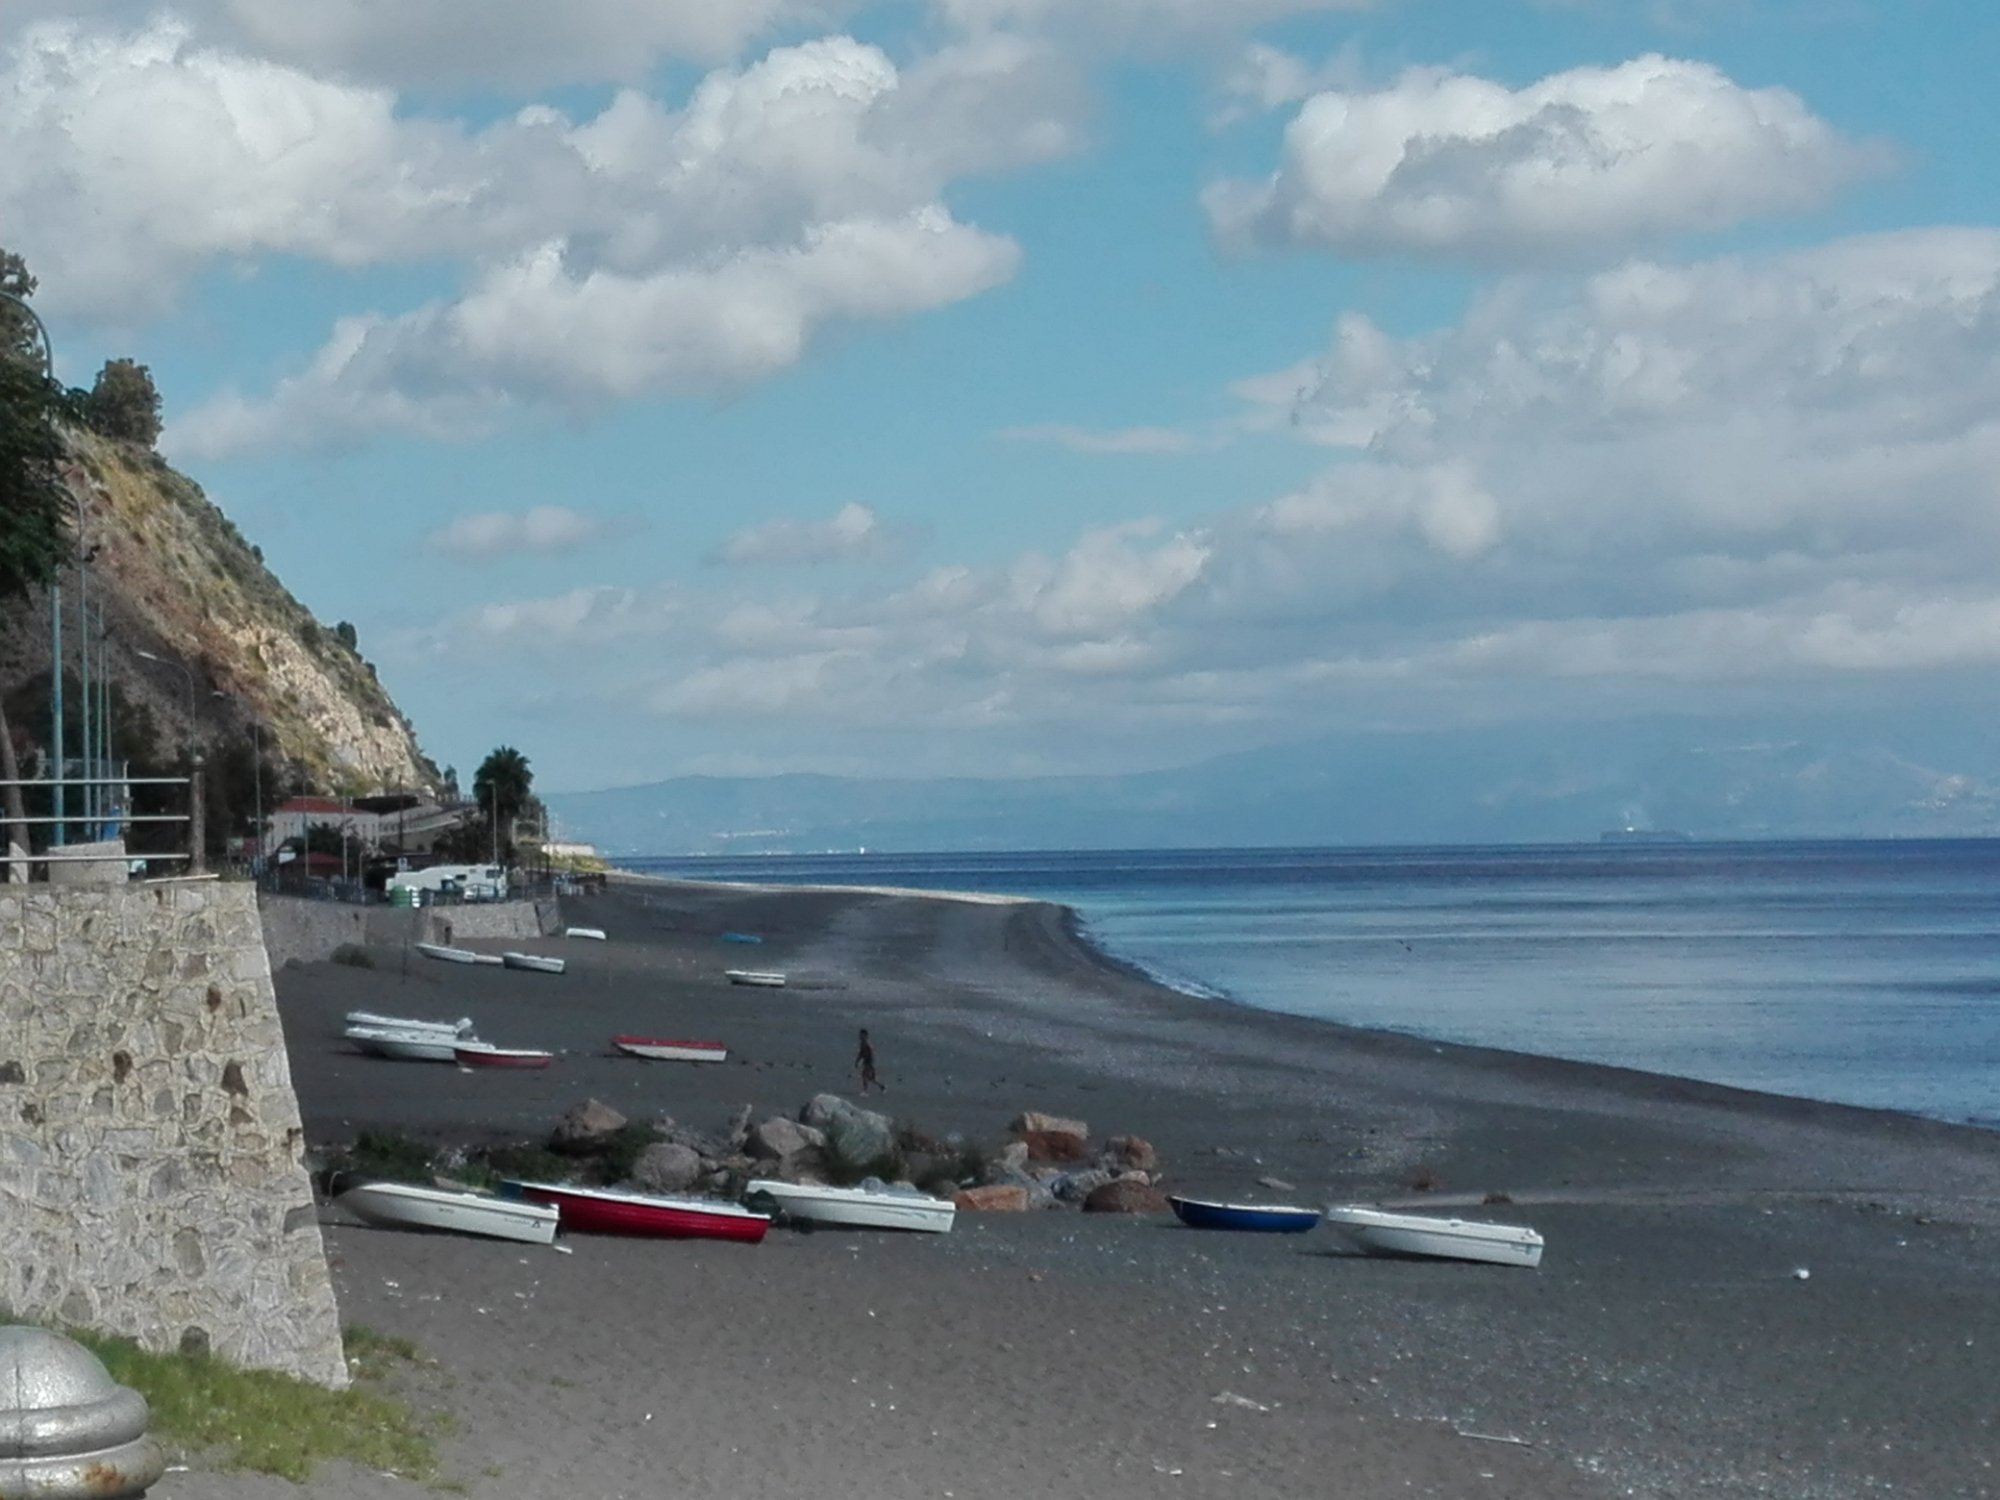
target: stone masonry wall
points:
(151, 1182)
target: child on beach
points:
(864, 1060)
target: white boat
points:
(448, 954)
(487, 958)
(596, 934)
(860, 1208)
(769, 979)
(534, 961)
(405, 1046)
(1380, 1232)
(667, 1049)
(461, 1027)
(404, 1205)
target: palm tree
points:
(502, 788)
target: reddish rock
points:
(1056, 1145)
(1127, 1195)
(1012, 1200)
(1132, 1153)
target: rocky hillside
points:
(178, 580)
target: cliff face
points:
(176, 578)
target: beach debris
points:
(1425, 1180)
(1493, 1437)
(1802, 1274)
(1230, 1398)
(1276, 1184)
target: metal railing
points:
(110, 799)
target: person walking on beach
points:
(864, 1062)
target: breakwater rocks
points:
(1045, 1163)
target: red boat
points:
(601, 1211)
(665, 1048)
(485, 1055)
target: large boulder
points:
(585, 1127)
(1074, 1187)
(857, 1140)
(739, 1128)
(809, 1165)
(1128, 1195)
(1131, 1153)
(1037, 1192)
(993, 1199)
(667, 1168)
(1051, 1137)
(777, 1138)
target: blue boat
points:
(741, 937)
(1264, 1218)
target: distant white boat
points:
(405, 1046)
(859, 1208)
(487, 958)
(1382, 1233)
(446, 953)
(665, 1049)
(769, 979)
(461, 1027)
(596, 934)
(534, 961)
(404, 1205)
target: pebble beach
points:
(1742, 1295)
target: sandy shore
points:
(1666, 1348)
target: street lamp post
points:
(197, 842)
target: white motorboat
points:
(404, 1205)
(768, 979)
(461, 1027)
(1380, 1232)
(534, 961)
(405, 1046)
(487, 958)
(446, 953)
(857, 1207)
(595, 934)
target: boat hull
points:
(399, 1205)
(601, 1211)
(534, 962)
(660, 1049)
(446, 954)
(1259, 1218)
(1380, 1232)
(763, 979)
(856, 1208)
(595, 934)
(479, 1055)
(460, 1027)
(404, 1046)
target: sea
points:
(1860, 972)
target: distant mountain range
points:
(1709, 778)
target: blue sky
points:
(1023, 386)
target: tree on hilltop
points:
(124, 403)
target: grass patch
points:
(386, 1154)
(268, 1423)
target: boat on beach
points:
(595, 934)
(534, 961)
(461, 1027)
(768, 979)
(445, 953)
(603, 1211)
(470, 1054)
(405, 1046)
(663, 1049)
(405, 1205)
(1261, 1218)
(1380, 1232)
(855, 1207)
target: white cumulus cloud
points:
(543, 529)
(1594, 159)
(853, 531)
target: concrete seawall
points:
(310, 931)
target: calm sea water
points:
(1862, 972)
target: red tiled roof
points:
(312, 805)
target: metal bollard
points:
(68, 1431)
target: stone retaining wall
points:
(151, 1182)
(310, 931)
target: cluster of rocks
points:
(1047, 1162)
